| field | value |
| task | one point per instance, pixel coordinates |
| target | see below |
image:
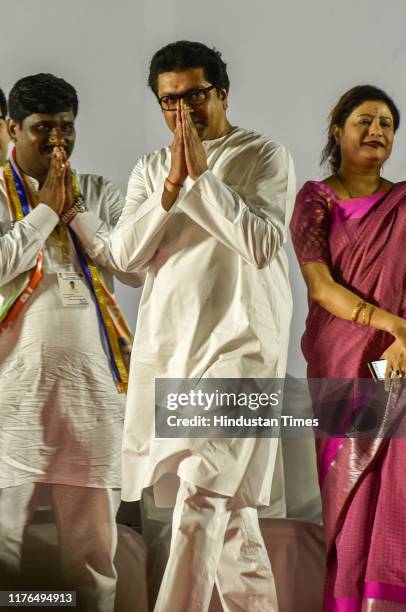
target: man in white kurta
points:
(208, 218)
(61, 415)
(216, 300)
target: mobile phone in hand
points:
(378, 369)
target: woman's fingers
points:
(388, 374)
(395, 356)
(388, 355)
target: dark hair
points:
(3, 104)
(184, 54)
(347, 103)
(41, 93)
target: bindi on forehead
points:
(373, 108)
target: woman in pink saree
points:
(349, 233)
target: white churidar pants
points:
(87, 536)
(216, 540)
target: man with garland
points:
(208, 217)
(63, 354)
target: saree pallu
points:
(362, 480)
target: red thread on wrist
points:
(174, 184)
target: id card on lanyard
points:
(72, 290)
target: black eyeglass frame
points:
(204, 90)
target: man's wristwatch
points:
(70, 214)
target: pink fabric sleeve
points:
(310, 225)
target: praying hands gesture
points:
(188, 156)
(195, 155)
(56, 192)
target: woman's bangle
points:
(366, 310)
(357, 310)
(371, 309)
(364, 315)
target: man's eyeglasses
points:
(193, 97)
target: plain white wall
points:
(288, 63)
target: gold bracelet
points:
(357, 310)
(364, 314)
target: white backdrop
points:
(288, 63)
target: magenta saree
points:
(362, 481)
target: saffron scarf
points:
(115, 333)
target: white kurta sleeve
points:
(94, 234)
(20, 246)
(140, 228)
(254, 224)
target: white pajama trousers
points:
(216, 540)
(87, 537)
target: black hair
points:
(350, 100)
(185, 54)
(3, 104)
(41, 93)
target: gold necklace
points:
(342, 183)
